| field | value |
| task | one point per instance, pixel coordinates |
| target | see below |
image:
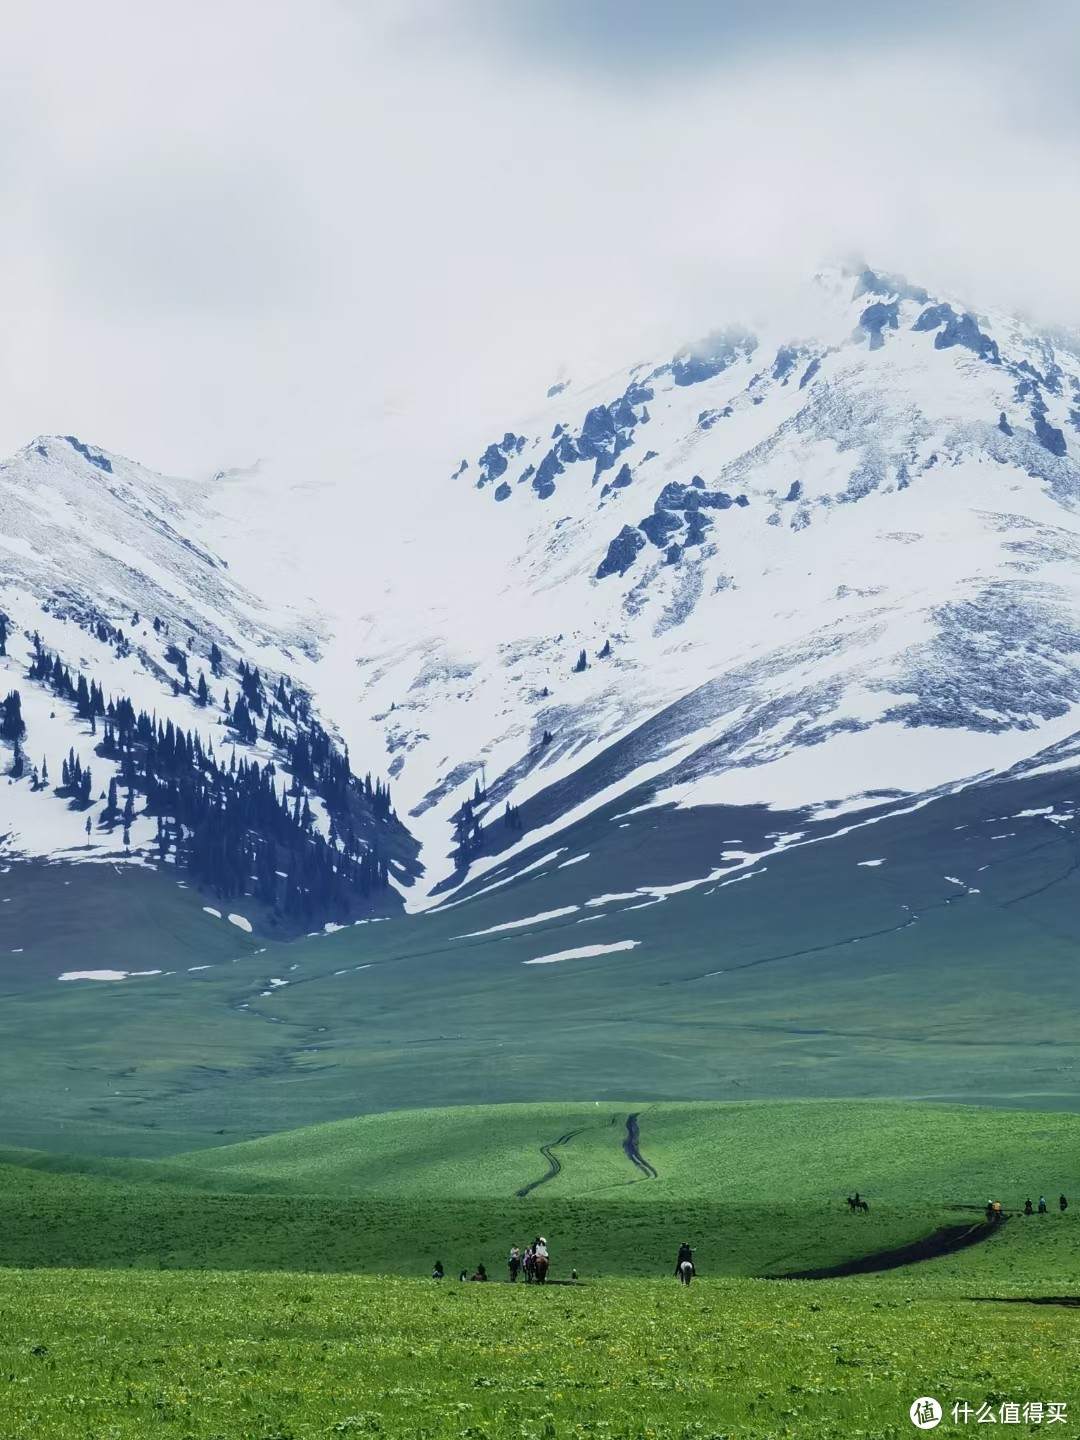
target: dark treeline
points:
(234, 828)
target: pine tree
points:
(12, 725)
(582, 663)
(3, 633)
(202, 694)
(605, 652)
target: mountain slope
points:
(122, 636)
(824, 569)
(801, 567)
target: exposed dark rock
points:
(710, 357)
(876, 317)
(502, 491)
(964, 330)
(872, 282)
(544, 479)
(957, 329)
(638, 394)
(697, 522)
(1049, 436)
(621, 553)
(934, 317)
(660, 525)
(785, 361)
(94, 456)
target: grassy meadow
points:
(126, 1355)
(277, 1289)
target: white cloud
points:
(254, 227)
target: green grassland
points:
(85, 1356)
(758, 1187)
(811, 978)
(244, 1292)
(144, 1345)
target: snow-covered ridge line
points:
(763, 569)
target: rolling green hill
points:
(182, 1312)
(759, 1187)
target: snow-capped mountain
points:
(123, 635)
(812, 565)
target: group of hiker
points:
(532, 1263)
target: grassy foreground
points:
(272, 1290)
(88, 1356)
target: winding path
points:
(554, 1163)
(945, 1241)
(633, 1154)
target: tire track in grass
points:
(633, 1153)
(554, 1163)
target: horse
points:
(686, 1271)
(540, 1269)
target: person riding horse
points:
(540, 1261)
(856, 1202)
(684, 1265)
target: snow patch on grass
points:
(584, 952)
(517, 924)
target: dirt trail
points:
(633, 1154)
(554, 1163)
(945, 1241)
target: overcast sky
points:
(234, 228)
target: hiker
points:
(514, 1263)
(481, 1273)
(464, 1275)
(1063, 1204)
(989, 1210)
(528, 1264)
(437, 1273)
(997, 1211)
(573, 1275)
(1042, 1204)
(1029, 1209)
(540, 1261)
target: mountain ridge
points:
(794, 567)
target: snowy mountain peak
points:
(799, 564)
